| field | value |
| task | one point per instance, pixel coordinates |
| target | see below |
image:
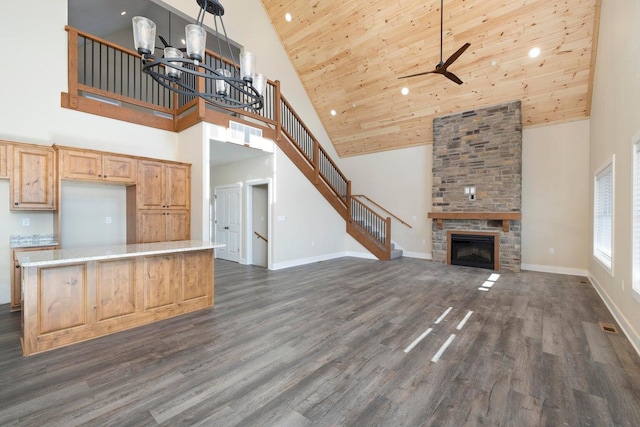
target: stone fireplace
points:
(477, 181)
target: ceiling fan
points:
(167, 44)
(441, 68)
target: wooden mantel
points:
(505, 217)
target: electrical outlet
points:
(25, 222)
(552, 251)
(622, 283)
(107, 220)
(313, 243)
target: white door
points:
(227, 222)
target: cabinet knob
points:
(105, 176)
(16, 203)
(17, 266)
(99, 176)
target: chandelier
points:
(238, 87)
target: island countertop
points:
(63, 256)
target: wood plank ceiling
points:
(349, 55)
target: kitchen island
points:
(72, 295)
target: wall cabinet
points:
(163, 185)
(5, 154)
(33, 183)
(16, 276)
(158, 225)
(158, 208)
(89, 165)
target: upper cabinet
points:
(163, 185)
(90, 165)
(33, 178)
(5, 154)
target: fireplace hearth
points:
(473, 250)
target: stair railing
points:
(382, 209)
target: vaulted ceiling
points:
(350, 53)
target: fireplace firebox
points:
(473, 249)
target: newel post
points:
(277, 108)
(72, 67)
(201, 106)
(348, 200)
(388, 235)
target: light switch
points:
(25, 222)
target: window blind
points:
(603, 215)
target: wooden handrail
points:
(384, 209)
(260, 236)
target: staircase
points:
(158, 107)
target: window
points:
(636, 214)
(603, 216)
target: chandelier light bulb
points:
(144, 34)
(196, 38)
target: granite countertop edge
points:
(66, 256)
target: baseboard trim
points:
(554, 269)
(418, 255)
(319, 258)
(626, 327)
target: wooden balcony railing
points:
(107, 80)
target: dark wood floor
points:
(326, 344)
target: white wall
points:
(400, 181)
(84, 223)
(615, 119)
(555, 198)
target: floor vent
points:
(583, 282)
(609, 328)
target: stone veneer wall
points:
(481, 148)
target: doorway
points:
(258, 223)
(227, 221)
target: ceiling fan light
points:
(172, 52)
(247, 66)
(196, 39)
(144, 35)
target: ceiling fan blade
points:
(419, 74)
(164, 42)
(456, 55)
(452, 77)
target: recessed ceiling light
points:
(534, 52)
(288, 17)
(333, 112)
(405, 91)
(124, 12)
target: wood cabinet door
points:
(152, 226)
(197, 275)
(119, 169)
(5, 152)
(83, 165)
(16, 282)
(63, 306)
(178, 225)
(178, 186)
(161, 274)
(115, 288)
(151, 183)
(33, 183)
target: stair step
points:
(396, 253)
